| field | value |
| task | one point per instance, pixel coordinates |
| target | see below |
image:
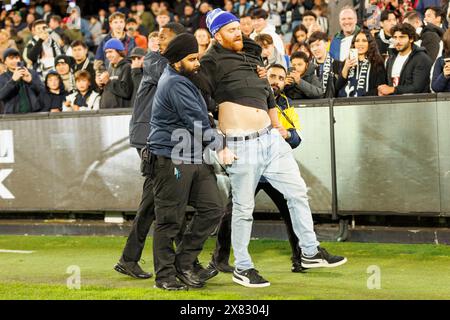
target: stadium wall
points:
(383, 156)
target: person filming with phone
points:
(19, 86)
(440, 81)
(41, 50)
(301, 81)
(364, 70)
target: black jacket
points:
(415, 74)
(9, 92)
(89, 67)
(190, 22)
(154, 64)
(336, 67)
(179, 108)
(383, 47)
(48, 100)
(377, 77)
(34, 50)
(136, 77)
(117, 92)
(431, 36)
(230, 75)
(309, 87)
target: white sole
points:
(324, 264)
(249, 285)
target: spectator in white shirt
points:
(261, 25)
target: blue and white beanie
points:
(218, 18)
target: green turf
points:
(407, 272)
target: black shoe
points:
(204, 274)
(132, 269)
(171, 285)
(198, 267)
(322, 259)
(250, 278)
(297, 266)
(190, 278)
(221, 266)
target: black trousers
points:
(141, 224)
(223, 243)
(176, 186)
(146, 215)
(281, 204)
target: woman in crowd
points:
(441, 71)
(363, 73)
(299, 35)
(204, 39)
(302, 47)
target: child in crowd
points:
(153, 41)
(54, 95)
(84, 98)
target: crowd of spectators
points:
(57, 58)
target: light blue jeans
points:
(269, 156)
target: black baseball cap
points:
(138, 52)
(10, 52)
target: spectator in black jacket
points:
(19, 86)
(190, 19)
(52, 99)
(137, 63)
(63, 65)
(301, 82)
(116, 83)
(42, 49)
(80, 55)
(362, 75)
(441, 71)
(408, 71)
(385, 43)
(429, 35)
(435, 16)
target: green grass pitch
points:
(405, 272)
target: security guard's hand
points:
(226, 156)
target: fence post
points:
(334, 197)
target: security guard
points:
(178, 137)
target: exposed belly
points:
(236, 119)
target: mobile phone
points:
(290, 69)
(353, 54)
(20, 64)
